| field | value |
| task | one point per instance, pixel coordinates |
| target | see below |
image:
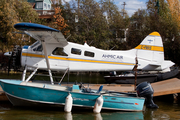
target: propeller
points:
(15, 60)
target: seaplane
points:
(52, 52)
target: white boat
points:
(150, 76)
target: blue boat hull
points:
(33, 94)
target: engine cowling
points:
(145, 90)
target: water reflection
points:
(95, 78)
(108, 116)
(123, 116)
(68, 116)
(166, 111)
(7, 111)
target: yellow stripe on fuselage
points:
(149, 47)
(74, 59)
(33, 55)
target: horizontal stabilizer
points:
(164, 65)
(155, 64)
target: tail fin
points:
(151, 49)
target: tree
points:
(25, 12)
(60, 23)
(12, 12)
(166, 26)
(8, 18)
(161, 21)
(174, 6)
(136, 31)
(96, 22)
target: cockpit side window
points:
(36, 43)
(59, 51)
(76, 51)
(37, 46)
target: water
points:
(168, 110)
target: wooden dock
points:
(166, 87)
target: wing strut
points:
(47, 61)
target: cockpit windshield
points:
(37, 46)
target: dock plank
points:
(170, 86)
(115, 87)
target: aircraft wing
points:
(42, 33)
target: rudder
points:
(151, 48)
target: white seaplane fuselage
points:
(76, 57)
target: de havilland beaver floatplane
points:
(52, 52)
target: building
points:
(43, 7)
(41, 4)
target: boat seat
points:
(55, 87)
(75, 88)
(32, 84)
(100, 89)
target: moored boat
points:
(21, 93)
(129, 78)
(150, 76)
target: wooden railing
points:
(45, 13)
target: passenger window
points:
(89, 54)
(76, 51)
(59, 51)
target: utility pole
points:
(157, 5)
(60, 2)
(77, 17)
(124, 4)
(109, 9)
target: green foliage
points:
(168, 29)
(8, 18)
(12, 12)
(97, 22)
(136, 31)
(25, 12)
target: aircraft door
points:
(59, 59)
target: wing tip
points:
(24, 26)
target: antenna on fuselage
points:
(68, 37)
(113, 47)
(91, 42)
